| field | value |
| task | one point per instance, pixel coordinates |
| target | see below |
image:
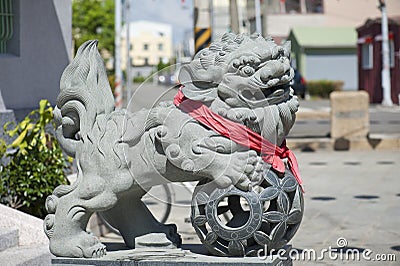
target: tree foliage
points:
(94, 19)
(161, 65)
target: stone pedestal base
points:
(188, 255)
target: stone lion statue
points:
(243, 80)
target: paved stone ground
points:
(352, 195)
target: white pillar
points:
(234, 16)
(117, 56)
(387, 99)
(258, 16)
(128, 48)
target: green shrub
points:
(3, 148)
(322, 88)
(36, 163)
(139, 79)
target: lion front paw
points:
(242, 115)
(96, 251)
(241, 169)
(77, 246)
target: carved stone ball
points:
(231, 222)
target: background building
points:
(321, 49)
(150, 43)
(283, 15)
(370, 58)
(36, 51)
(326, 53)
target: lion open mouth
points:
(255, 96)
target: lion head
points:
(245, 73)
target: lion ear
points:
(193, 89)
(184, 75)
(287, 47)
(204, 95)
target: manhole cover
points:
(323, 198)
(396, 248)
(385, 162)
(367, 197)
(318, 163)
(352, 163)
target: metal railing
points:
(6, 24)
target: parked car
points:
(299, 84)
(167, 79)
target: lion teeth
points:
(273, 82)
(253, 95)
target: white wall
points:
(41, 50)
(336, 13)
(333, 67)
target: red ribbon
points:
(240, 134)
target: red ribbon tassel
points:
(240, 134)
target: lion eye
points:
(247, 70)
(236, 63)
(205, 53)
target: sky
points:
(178, 13)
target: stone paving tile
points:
(364, 206)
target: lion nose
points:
(266, 75)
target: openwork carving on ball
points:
(275, 210)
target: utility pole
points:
(386, 86)
(117, 56)
(264, 11)
(202, 24)
(258, 16)
(128, 49)
(234, 15)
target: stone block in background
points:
(349, 114)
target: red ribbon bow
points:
(240, 134)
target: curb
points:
(373, 142)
